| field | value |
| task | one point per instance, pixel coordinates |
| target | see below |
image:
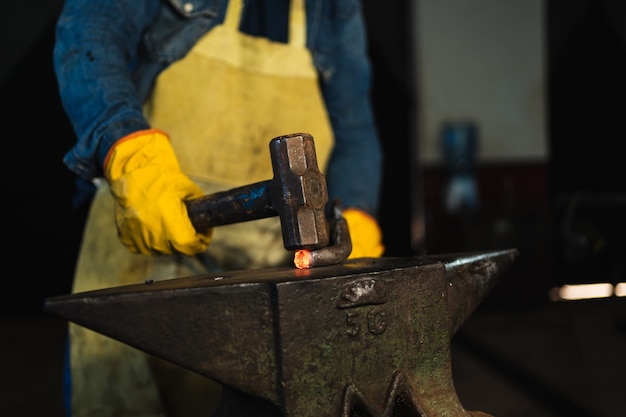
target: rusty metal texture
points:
(366, 338)
(340, 243)
(297, 194)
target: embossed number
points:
(353, 327)
(376, 322)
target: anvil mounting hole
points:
(401, 408)
(404, 408)
(358, 412)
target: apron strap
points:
(297, 23)
(233, 14)
(297, 20)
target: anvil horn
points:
(344, 333)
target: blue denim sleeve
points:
(355, 166)
(96, 43)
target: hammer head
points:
(298, 192)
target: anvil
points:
(368, 337)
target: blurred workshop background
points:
(502, 124)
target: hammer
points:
(297, 194)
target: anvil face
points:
(364, 337)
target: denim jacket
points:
(109, 52)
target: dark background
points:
(586, 61)
(566, 216)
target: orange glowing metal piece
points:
(303, 259)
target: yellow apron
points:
(221, 105)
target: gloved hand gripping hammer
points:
(297, 194)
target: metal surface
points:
(297, 194)
(340, 245)
(368, 337)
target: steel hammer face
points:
(298, 192)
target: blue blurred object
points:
(459, 146)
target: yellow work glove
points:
(365, 234)
(149, 189)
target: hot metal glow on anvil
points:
(368, 337)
